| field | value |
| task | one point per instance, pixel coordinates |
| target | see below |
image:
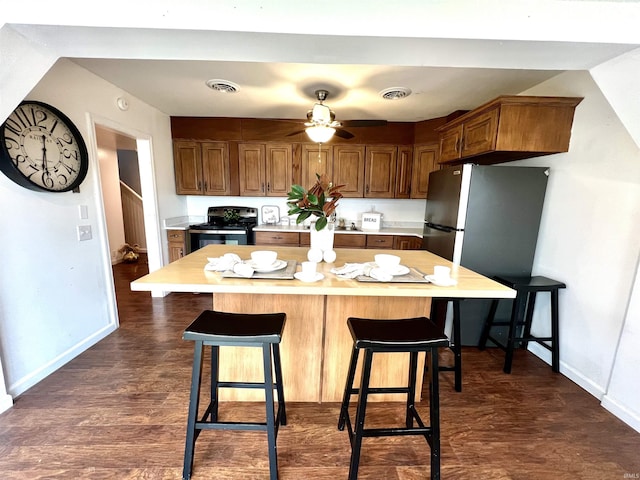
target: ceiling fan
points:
(321, 122)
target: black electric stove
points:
(229, 225)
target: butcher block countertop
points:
(188, 275)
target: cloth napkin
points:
(353, 270)
(229, 261)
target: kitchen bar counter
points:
(316, 342)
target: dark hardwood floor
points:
(118, 411)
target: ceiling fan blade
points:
(364, 123)
(295, 133)
(343, 134)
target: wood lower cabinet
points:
(282, 239)
(202, 168)
(509, 128)
(379, 241)
(407, 242)
(425, 161)
(177, 244)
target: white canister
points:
(371, 221)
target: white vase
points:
(322, 239)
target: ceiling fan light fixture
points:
(222, 86)
(395, 93)
(320, 133)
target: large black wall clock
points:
(41, 149)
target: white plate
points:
(277, 265)
(449, 282)
(304, 278)
(399, 270)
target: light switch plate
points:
(84, 233)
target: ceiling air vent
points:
(395, 93)
(223, 86)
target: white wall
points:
(56, 294)
(589, 238)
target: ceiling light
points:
(320, 133)
(222, 86)
(395, 93)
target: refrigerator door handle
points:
(437, 226)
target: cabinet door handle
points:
(457, 145)
(205, 186)
(199, 185)
(268, 187)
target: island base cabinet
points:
(316, 345)
(388, 369)
(300, 349)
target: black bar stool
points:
(412, 336)
(521, 316)
(218, 329)
(439, 307)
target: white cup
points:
(309, 269)
(441, 272)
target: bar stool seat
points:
(412, 336)
(522, 315)
(216, 329)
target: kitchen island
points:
(316, 343)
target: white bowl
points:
(386, 261)
(264, 258)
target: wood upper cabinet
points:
(202, 168)
(425, 161)
(279, 169)
(252, 169)
(265, 170)
(509, 128)
(404, 169)
(380, 171)
(316, 158)
(348, 169)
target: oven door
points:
(201, 238)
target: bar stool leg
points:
(434, 413)
(270, 412)
(517, 313)
(411, 393)
(482, 344)
(360, 413)
(279, 384)
(194, 401)
(457, 348)
(348, 388)
(215, 379)
(531, 303)
(555, 332)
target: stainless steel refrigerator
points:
(485, 218)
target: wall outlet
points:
(84, 233)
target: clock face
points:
(41, 149)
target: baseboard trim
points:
(28, 381)
(630, 418)
(6, 402)
(574, 375)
